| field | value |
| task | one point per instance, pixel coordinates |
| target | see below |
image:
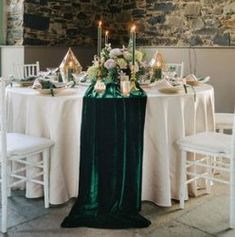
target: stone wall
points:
(15, 9)
(159, 22)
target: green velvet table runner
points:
(110, 161)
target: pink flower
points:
(110, 63)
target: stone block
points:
(197, 24)
(222, 39)
(71, 32)
(68, 16)
(206, 31)
(115, 8)
(175, 21)
(40, 2)
(124, 17)
(156, 20)
(34, 41)
(81, 15)
(138, 13)
(192, 10)
(56, 28)
(195, 40)
(229, 8)
(164, 7)
(217, 10)
(36, 22)
(230, 23)
(129, 6)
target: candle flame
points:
(100, 23)
(106, 32)
(133, 28)
(71, 64)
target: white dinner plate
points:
(48, 91)
(83, 83)
(171, 90)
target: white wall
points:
(12, 57)
(217, 62)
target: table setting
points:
(114, 133)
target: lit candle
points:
(158, 64)
(106, 40)
(126, 87)
(70, 71)
(158, 70)
(133, 37)
(71, 64)
(99, 38)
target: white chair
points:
(223, 121)
(31, 70)
(209, 145)
(177, 68)
(20, 149)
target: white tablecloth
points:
(168, 117)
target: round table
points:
(168, 118)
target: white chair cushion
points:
(208, 142)
(21, 144)
(224, 119)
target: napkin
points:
(43, 84)
(162, 84)
(191, 79)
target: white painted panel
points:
(12, 61)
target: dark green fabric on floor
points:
(110, 162)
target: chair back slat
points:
(31, 69)
(178, 68)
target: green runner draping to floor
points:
(110, 161)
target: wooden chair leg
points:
(46, 177)
(182, 178)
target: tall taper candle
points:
(133, 37)
(99, 38)
(106, 40)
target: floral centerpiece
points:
(113, 63)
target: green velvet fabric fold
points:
(110, 161)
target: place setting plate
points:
(171, 90)
(48, 91)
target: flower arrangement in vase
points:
(113, 63)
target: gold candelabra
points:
(133, 79)
(100, 85)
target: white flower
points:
(121, 62)
(114, 53)
(92, 72)
(110, 63)
(127, 55)
(138, 56)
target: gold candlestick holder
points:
(133, 79)
(100, 86)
